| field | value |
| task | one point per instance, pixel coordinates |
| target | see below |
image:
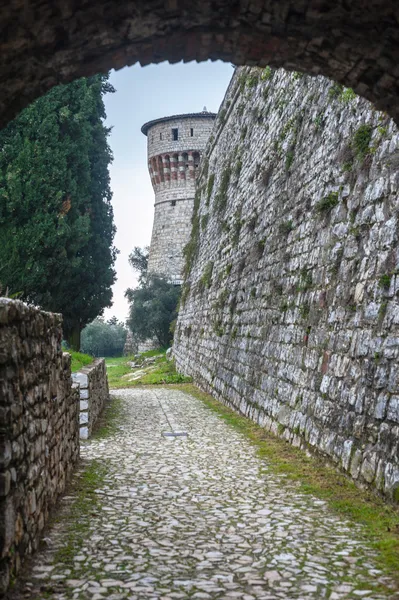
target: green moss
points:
(252, 80)
(206, 278)
(240, 109)
(347, 95)
(191, 248)
(221, 117)
(289, 159)
(280, 429)
(237, 168)
(236, 227)
(220, 200)
(261, 246)
(361, 141)
(185, 292)
(304, 310)
(228, 269)
(297, 75)
(204, 221)
(335, 90)
(326, 204)
(244, 130)
(209, 187)
(319, 121)
(267, 74)
(306, 280)
(384, 281)
(286, 227)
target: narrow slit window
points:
(175, 134)
(191, 132)
(160, 136)
(173, 203)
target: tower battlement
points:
(175, 146)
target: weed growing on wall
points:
(326, 204)
(206, 278)
(220, 201)
(361, 141)
(209, 188)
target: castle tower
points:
(175, 146)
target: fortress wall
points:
(290, 312)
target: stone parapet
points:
(39, 428)
(92, 383)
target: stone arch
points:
(354, 43)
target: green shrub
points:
(385, 281)
(361, 141)
(347, 95)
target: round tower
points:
(175, 146)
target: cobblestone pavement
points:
(199, 517)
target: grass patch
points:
(80, 513)
(79, 360)
(379, 519)
(163, 371)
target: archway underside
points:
(46, 43)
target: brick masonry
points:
(93, 392)
(39, 428)
(290, 310)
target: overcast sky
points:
(143, 94)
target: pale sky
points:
(143, 94)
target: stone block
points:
(81, 378)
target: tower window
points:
(160, 136)
(173, 202)
(175, 134)
(191, 132)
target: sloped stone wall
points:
(39, 428)
(290, 309)
(93, 392)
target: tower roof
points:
(201, 115)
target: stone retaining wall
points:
(290, 312)
(39, 428)
(93, 390)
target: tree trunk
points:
(73, 337)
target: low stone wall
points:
(92, 383)
(39, 428)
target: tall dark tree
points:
(56, 219)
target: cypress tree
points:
(56, 218)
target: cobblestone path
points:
(198, 517)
